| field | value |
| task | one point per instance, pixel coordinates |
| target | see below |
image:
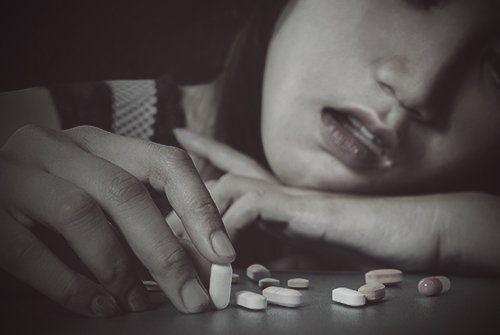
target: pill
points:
(298, 283)
(283, 296)
(432, 286)
(235, 278)
(257, 272)
(348, 297)
(151, 285)
(220, 285)
(266, 282)
(384, 276)
(373, 291)
(251, 300)
(445, 282)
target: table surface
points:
(470, 307)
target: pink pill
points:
(432, 286)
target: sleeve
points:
(147, 109)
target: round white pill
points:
(266, 282)
(348, 297)
(298, 283)
(373, 291)
(384, 276)
(251, 300)
(283, 296)
(258, 271)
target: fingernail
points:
(104, 305)
(221, 245)
(194, 297)
(138, 300)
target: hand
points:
(380, 227)
(67, 181)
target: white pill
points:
(348, 297)
(257, 272)
(445, 282)
(220, 285)
(298, 283)
(235, 279)
(266, 282)
(283, 296)
(384, 276)
(373, 291)
(251, 300)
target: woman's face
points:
(382, 95)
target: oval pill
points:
(251, 300)
(384, 276)
(257, 272)
(283, 296)
(373, 291)
(298, 283)
(432, 286)
(348, 297)
(266, 282)
(220, 285)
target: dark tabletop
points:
(472, 306)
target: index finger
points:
(172, 171)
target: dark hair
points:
(239, 109)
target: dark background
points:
(51, 41)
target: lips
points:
(351, 140)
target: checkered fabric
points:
(134, 107)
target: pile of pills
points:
(222, 277)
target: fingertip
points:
(138, 299)
(104, 306)
(194, 296)
(222, 246)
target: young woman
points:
(366, 129)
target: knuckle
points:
(177, 155)
(202, 207)
(124, 188)
(73, 207)
(174, 262)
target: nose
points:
(413, 85)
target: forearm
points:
(457, 232)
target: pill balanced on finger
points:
(266, 282)
(432, 286)
(220, 285)
(251, 300)
(258, 271)
(298, 283)
(283, 296)
(373, 291)
(348, 297)
(384, 276)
